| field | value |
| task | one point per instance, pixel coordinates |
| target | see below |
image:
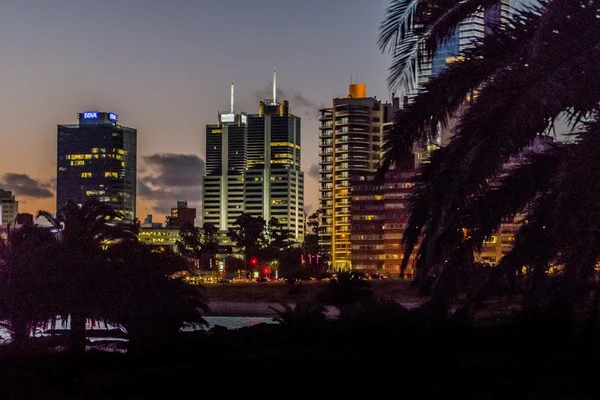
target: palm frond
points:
(397, 24)
(447, 94)
(447, 23)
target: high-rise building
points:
(97, 159)
(274, 182)
(226, 162)
(253, 166)
(9, 208)
(351, 139)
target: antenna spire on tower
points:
(231, 107)
(274, 86)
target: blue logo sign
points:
(90, 115)
(113, 116)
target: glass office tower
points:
(97, 158)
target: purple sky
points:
(165, 67)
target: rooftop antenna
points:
(231, 107)
(274, 86)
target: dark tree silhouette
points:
(249, 235)
(199, 244)
(83, 233)
(504, 93)
(148, 301)
(276, 240)
(190, 243)
(25, 285)
(314, 221)
(345, 289)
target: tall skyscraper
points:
(351, 139)
(226, 162)
(97, 158)
(9, 208)
(274, 182)
(253, 166)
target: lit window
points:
(86, 174)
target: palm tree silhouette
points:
(25, 290)
(506, 93)
(147, 301)
(83, 232)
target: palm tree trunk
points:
(78, 334)
(534, 297)
(20, 333)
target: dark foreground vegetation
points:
(375, 348)
(398, 355)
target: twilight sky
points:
(165, 67)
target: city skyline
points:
(156, 67)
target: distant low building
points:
(155, 234)
(9, 208)
(181, 215)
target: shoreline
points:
(261, 309)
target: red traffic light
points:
(266, 271)
(253, 261)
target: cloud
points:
(313, 171)
(26, 186)
(166, 178)
(168, 169)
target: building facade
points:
(379, 219)
(253, 166)
(160, 237)
(181, 215)
(351, 137)
(274, 184)
(97, 159)
(226, 163)
(9, 208)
